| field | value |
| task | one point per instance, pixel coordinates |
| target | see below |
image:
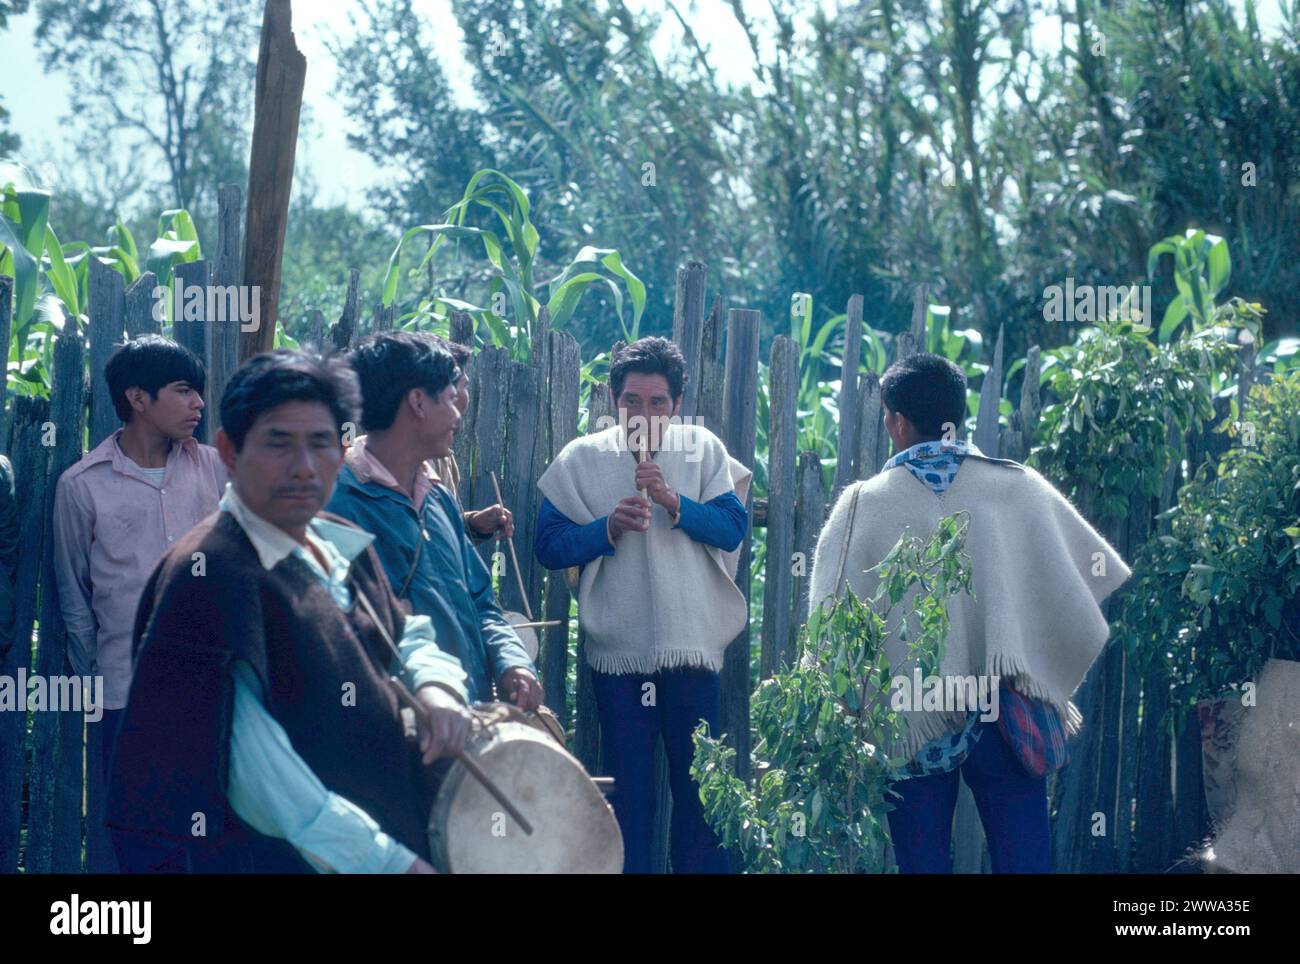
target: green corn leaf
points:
(22, 266)
(62, 278)
(439, 232)
(1220, 262)
(166, 253)
(1174, 316)
(121, 236)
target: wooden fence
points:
(520, 416)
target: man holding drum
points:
(409, 388)
(658, 541)
(283, 711)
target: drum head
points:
(574, 830)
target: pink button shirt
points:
(111, 526)
(368, 468)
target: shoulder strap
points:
(409, 706)
(374, 617)
(415, 564)
(848, 538)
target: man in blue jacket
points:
(388, 487)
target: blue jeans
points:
(1012, 806)
(109, 725)
(680, 698)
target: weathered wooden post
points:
(1077, 783)
(54, 811)
(709, 404)
(782, 439)
(106, 312)
(873, 440)
(562, 384)
(809, 516)
(343, 334)
(1018, 439)
(490, 403)
(140, 307)
(688, 320)
(462, 333)
(33, 488)
(913, 340)
(221, 338)
(383, 318)
(525, 452)
(740, 433)
(281, 74)
(194, 279)
(846, 468)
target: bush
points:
(818, 796)
(1217, 596)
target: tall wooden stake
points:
(281, 74)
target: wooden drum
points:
(573, 828)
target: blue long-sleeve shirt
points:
(448, 581)
(561, 543)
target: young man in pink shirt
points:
(118, 509)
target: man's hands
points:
(444, 724)
(420, 867)
(487, 521)
(630, 515)
(651, 478)
(521, 688)
(633, 513)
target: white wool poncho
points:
(662, 599)
(1039, 573)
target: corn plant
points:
(51, 277)
(1202, 267)
(513, 291)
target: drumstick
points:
(519, 576)
(538, 624)
(477, 772)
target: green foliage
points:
(178, 243)
(512, 281)
(1201, 270)
(1202, 267)
(1119, 394)
(1219, 594)
(321, 244)
(821, 728)
(1108, 435)
(964, 144)
(26, 211)
(169, 84)
(51, 285)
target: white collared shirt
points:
(270, 786)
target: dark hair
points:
(269, 380)
(929, 389)
(391, 363)
(650, 356)
(150, 362)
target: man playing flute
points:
(657, 596)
